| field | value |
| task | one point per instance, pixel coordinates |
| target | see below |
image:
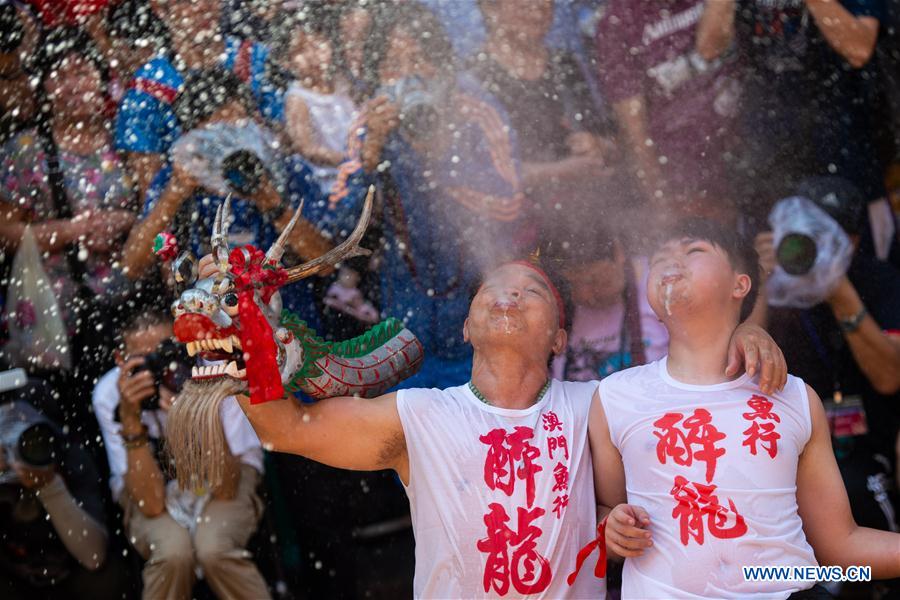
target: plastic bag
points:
(37, 333)
(802, 277)
(203, 152)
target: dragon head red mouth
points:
(231, 317)
(213, 344)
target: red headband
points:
(560, 305)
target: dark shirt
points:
(545, 111)
(817, 352)
(805, 106)
(647, 49)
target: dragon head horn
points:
(348, 249)
(219, 240)
(276, 251)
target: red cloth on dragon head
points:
(252, 276)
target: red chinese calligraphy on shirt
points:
(557, 443)
(551, 421)
(697, 442)
(761, 432)
(506, 451)
(696, 501)
(527, 570)
(559, 503)
(561, 477)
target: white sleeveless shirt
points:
(715, 466)
(501, 499)
(331, 116)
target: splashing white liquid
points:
(667, 299)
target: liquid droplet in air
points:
(667, 299)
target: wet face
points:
(527, 19)
(309, 55)
(600, 283)
(404, 58)
(515, 305)
(75, 88)
(196, 21)
(689, 277)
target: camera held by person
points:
(227, 157)
(51, 506)
(27, 438)
(164, 524)
(812, 251)
(169, 367)
(417, 99)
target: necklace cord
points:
(477, 393)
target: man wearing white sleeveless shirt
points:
(499, 471)
(716, 475)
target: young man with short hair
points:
(706, 474)
(498, 471)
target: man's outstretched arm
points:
(346, 432)
(825, 509)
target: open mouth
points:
(226, 354)
(671, 279)
(505, 305)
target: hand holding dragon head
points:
(231, 318)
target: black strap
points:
(58, 196)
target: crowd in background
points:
(490, 129)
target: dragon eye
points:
(230, 299)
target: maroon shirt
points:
(646, 48)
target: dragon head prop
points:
(234, 324)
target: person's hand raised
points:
(381, 117)
(134, 388)
(182, 182)
(107, 227)
(206, 267)
(34, 478)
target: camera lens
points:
(796, 253)
(35, 446)
(419, 119)
(243, 171)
